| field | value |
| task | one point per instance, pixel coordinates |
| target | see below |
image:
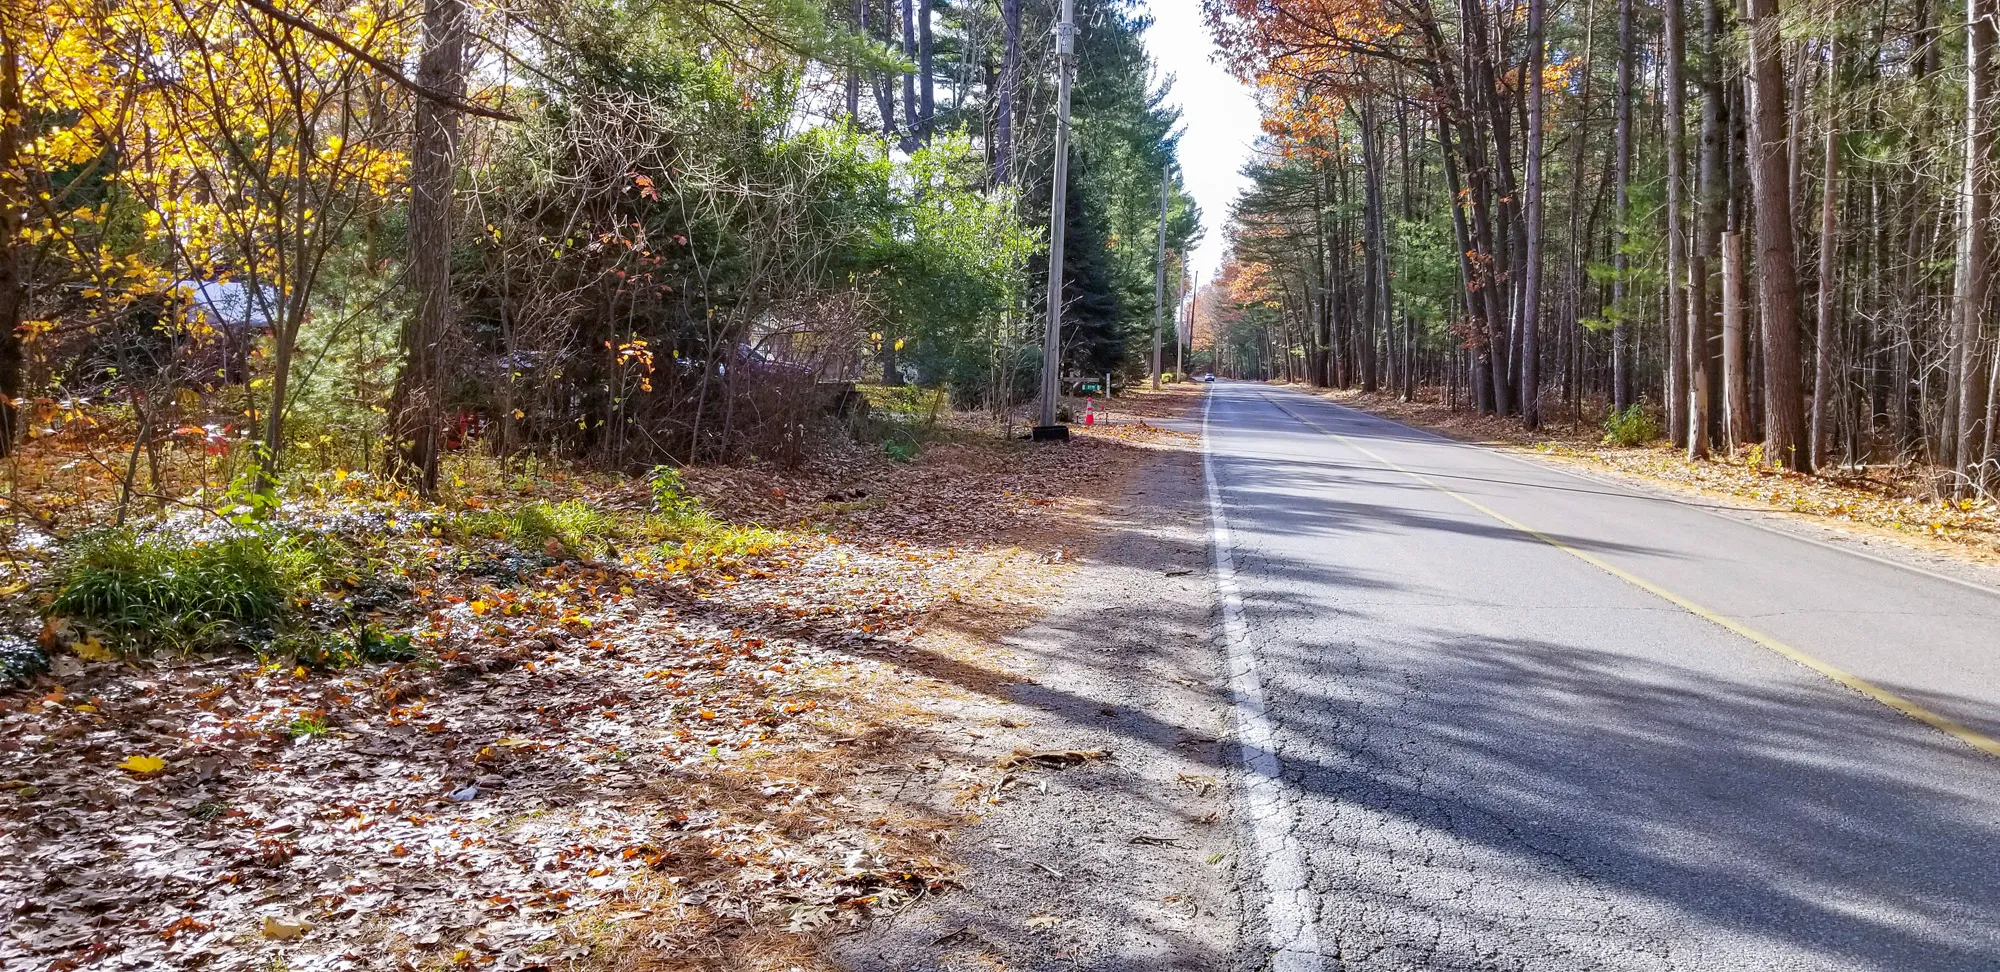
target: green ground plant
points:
(149, 590)
(681, 527)
(1632, 426)
(576, 528)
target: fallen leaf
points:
(1053, 759)
(143, 764)
(280, 930)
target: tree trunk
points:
(1374, 297)
(1003, 102)
(912, 122)
(885, 93)
(1677, 359)
(1621, 329)
(1531, 293)
(1777, 252)
(13, 201)
(417, 403)
(1735, 354)
(853, 71)
(1975, 204)
(1825, 337)
(1708, 234)
(926, 74)
(1579, 237)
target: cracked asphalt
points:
(1503, 756)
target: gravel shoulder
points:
(1121, 861)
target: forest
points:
(299, 236)
(1756, 228)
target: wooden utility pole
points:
(1160, 274)
(1058, 214)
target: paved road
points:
(1504, 751)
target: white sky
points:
(1219, 114)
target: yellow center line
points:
(1970, 737)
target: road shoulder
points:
(1124, 860)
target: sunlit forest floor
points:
(554, 719)
(1895, 499)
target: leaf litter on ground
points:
(591, 761)
(1900, 499)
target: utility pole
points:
(1049, 429)
(1160, 276)
(1184, 327)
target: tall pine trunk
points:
(1975, 245)
(1735, 344)
(1777, 251)
(1974, 242)
(926, 74)
(1621, 328)
(1375, 296)
(1531, 292)
(1678, 360)
(1825, 336)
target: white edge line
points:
(1288, 907)
(1648, 491)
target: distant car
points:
(1210, 377)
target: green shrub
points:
(1633, 426)
(670, 495)
(184, 593)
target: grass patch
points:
(150, 590)
(307, 726)
(680, 528)
(572, 526)
(685, 532)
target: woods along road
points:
(1496, 716)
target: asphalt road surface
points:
(1511, 718)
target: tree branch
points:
(381, 66)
